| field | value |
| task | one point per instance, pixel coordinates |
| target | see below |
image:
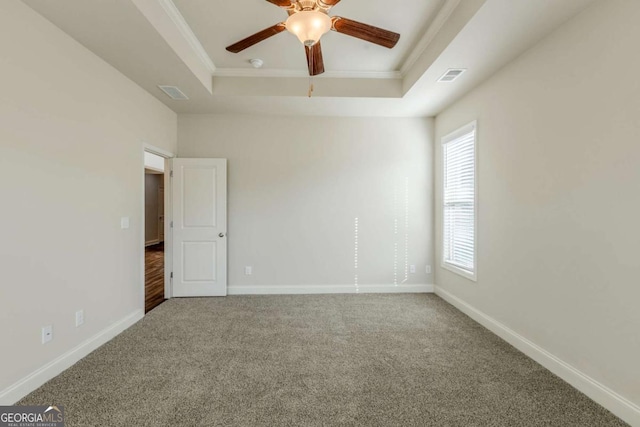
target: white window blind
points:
(459, 217)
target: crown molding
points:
(172, 10)
(436, 25)
(185, 30)
(283, 73)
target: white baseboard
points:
(151, 242)
(329, 289)
(17, 391)
(601, 394)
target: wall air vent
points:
(451, 75)
(173, 92)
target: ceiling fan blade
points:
(281, 3)
(328, 3)
(365, 32)
(256, 38)
(314, 59)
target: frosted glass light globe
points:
(308, 26)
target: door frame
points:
(167, 155)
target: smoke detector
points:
(451, 75)
(257, 63)
(174, 93)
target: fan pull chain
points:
(310, 71)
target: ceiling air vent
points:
(173, 92)
(451, 75)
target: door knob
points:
(221, 235)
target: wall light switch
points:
(124, 222)
(428, 269)
(248, 270)
(412, 269)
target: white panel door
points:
(199, 191)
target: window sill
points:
(459, 271)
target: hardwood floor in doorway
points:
(153, 276)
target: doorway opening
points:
(154, 230)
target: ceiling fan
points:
(309, 20)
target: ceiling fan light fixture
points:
(309, 26)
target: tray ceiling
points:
(218, 24)
(182, 43)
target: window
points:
(459, 201)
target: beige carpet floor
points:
(352, 360)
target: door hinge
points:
(171, 276)
(171, 224)
(171, 174)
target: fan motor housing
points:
(307, 4)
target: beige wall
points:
(296, 185)
(559, 175)
(71, 132)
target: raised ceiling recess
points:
(309, 20)
(183, 43)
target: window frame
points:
(471, 275)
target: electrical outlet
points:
(124, 222)
(47, 334)
(248, 270)
(412, 269)
(428, 269)
(79, 318)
